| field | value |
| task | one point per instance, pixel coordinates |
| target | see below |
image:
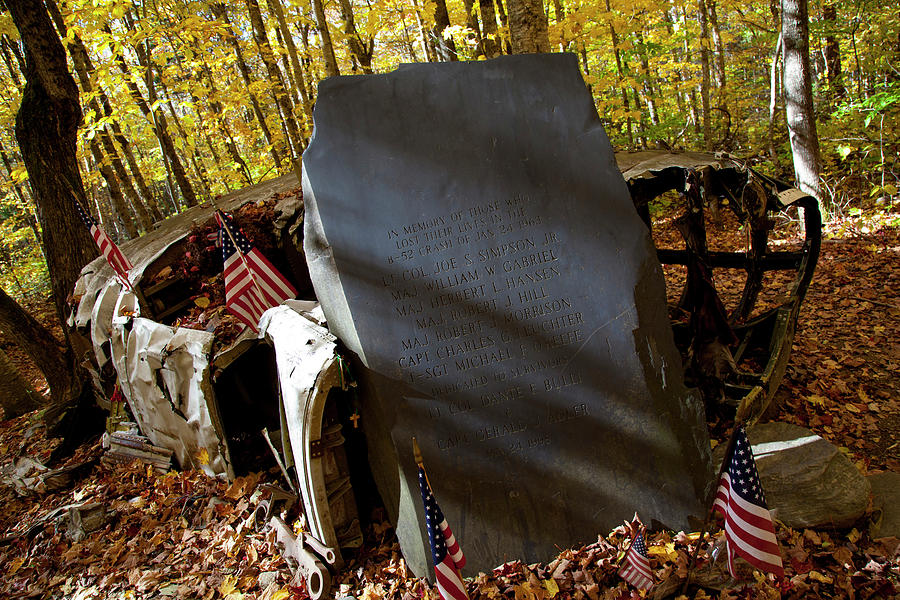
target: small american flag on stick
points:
(749, 531)
(108, 248)
(636, 569)
(252, 284)
(445, 551)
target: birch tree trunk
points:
(331, 68)
(801, 121)
(704, 74)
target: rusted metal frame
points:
(754, 200)
(693, 230)
(771, 261)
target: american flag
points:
(636, 569)
(252, 284)
(108, 248)
(749, 531)
(448, 557)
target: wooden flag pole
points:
(709, 514)
(417, 455)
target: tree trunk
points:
(504, 24)
(648, 79)
(773, 100)
(133, 165)
(190, 149)
(833, 53)
(490, 40)
(472, 23)
(115, 192)
(45, 350)
(14, 48)
(16, 396)
(528, 26)
(331, 68)
(444, 48)
(157, 120)
(278, 10)
(559, 15)
(223, 129)
(221, 12)
(799, 107)
(7, 58)
(27, 206)
(719, 53)
(46, 129)
(360, 50)
(704, 74)
(84, 69)
(268, 58)
(614, 37)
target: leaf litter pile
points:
(185, 535)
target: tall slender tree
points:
(528, 26)
(801, 120)
(46, 129)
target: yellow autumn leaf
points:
(203, 457)
(551, 586)
(852, 408)
(816, 576)
(281, 594)
(816, 400)
(666, 551)
(201, 301)
(15, 565)
(228, 585)
(863, 395)
(853, 536)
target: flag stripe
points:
(753, 520)
(261, 265)
(636, 578)
(252, 284)
(445, 552)
(453, 548)
(107, 247)
(449, 583)
(636, 567)
(749, 530)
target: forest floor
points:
(184, 535)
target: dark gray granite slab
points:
(472, 241)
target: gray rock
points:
(473, 243)
(807, 481)
(886, 502)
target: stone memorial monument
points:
(473, 243)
